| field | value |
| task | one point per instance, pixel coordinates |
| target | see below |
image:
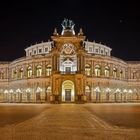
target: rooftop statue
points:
(67, 24)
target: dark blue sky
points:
(114, 23)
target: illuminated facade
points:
(69, 69)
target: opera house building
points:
(69, 69)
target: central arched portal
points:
(68, 93)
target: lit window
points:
(121, 74)
(97, 70)
(134, 74)
(87, 89)
(15, 74)
(48, 70)
(106, 71)
(38, 71)
(2, 75)
(29, 71)
(114, 72)
(49, 89)
(87, 70)
(21, 73)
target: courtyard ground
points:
(70, 121)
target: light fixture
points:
(108, 90)
(28, 90)
(97, 89)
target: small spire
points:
(55, 32)
(80, 32)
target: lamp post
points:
(97, 90)
(107, 94)
(124, 91)
(6, 93)
(18, 92)
(11, 93)
(130, 94)
(117, 91)
(136, 92)
(28, 90)
(38, 96)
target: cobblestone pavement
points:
(69, 122)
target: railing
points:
(68, 72)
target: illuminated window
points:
(106, 71)
(29, 71)
(134, 74)
(48, 70)
(48, 89)
(87, 89)
(38, 71)
(87, 70)
(97, 70)
(121, 74)
(114, 72)
(21, 73)
(15, 74)
(1, 75)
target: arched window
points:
(1, 75)
(87, 89)
(48, 70)
(29, 72)
(49, 89)
(114, 72)
(134, 74)
(15, 74)
(97, 70)
(87, 70)
(21, 73)
(121, 74)
(38, 71)
(106, 71)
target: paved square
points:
(69, 121)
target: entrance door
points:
(68, 69)
(67, 95)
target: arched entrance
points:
(68, 93)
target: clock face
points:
(68, 49)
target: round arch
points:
(68, 92)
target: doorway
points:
(68, 94)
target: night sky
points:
(114, 23)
